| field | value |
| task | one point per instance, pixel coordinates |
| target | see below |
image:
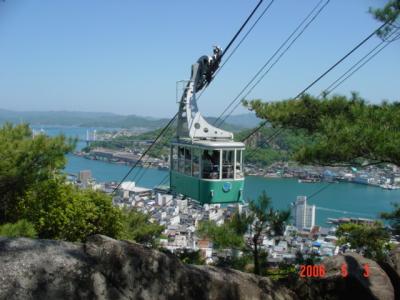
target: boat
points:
(387, 186)
(162, 167)
(308, 180)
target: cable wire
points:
(274, 54)
(266, 141)
(360, 63)
(219, 69)
(241, 28)
(327, 91)
(319, 190)
(164, 180)
(238, 45)
(145, 152)
(342, 59)
(174, 117)
(387, 43)
(325, 73)
(144, 169)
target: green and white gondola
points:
(206, 163)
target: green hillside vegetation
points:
(263, 150)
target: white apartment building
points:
(303, 214)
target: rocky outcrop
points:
(377, 285)
(394, 258)
(104, 268)
(392, 268)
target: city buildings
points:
(181, 218)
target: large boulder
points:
(391, 266)
(377, 285)
(394, 259)
(103, 268)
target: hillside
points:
(83, 119)
(247, 120)
(161, 148)
(265, 147)
(258, 151)
(110, 120)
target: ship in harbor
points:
(361, 221)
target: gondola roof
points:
(211, 144)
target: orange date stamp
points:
(319, 270)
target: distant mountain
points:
(247, 120)
(131, 121)
(77, 118)
(104, 119)
(51, 117)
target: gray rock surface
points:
(394, 259)
(104, 268)
(392, 269)
(355, 286)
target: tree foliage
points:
(370, 241)
(35, 194)
(26, 162)
(260, 212)
(137, 226)
(393, 217)
(223, 236)
(244, 231)
(62, 211)
(277, 221)
(388, 13)
(189, 256)
(341, 131)
(22, 228)
(263, 150)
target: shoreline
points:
(158, 165)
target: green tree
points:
(260, 220)
(189, 256)
(311, 259)
(340, 131)
(25, 162)
(20, 229)
(265, 221)
(393, 217)
(223, 236)
(61, 211)
(138, 227)
(33, 188)
(372, 241)
(277, 221)
(260, 213)
(388, 13)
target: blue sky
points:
(126, 56)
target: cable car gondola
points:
(206, 163)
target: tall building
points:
(84, 177)
(303, 214)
